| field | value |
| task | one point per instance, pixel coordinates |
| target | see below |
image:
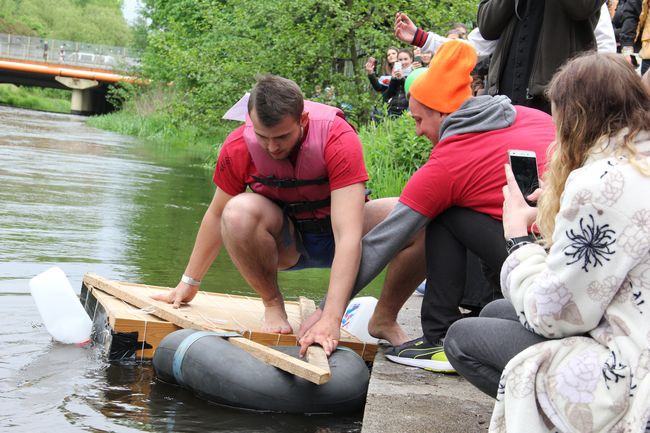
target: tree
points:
(213, 49)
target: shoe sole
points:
(427, 364)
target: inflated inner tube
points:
(225, 374)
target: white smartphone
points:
(524, 167)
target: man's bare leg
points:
(252, 233)
(405, 272)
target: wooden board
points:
(240, 314)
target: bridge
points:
(85, 69)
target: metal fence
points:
(68, 52)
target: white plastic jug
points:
(356, 318)
(59, 306)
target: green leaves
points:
(92, 21)
(213, 49)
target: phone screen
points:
(524, 168)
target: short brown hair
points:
(275, 97)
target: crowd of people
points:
(540, 299)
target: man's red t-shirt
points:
(343, 157)
(466, 170)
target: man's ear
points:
(304, 119)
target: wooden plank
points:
(315, 354)
(166, 311)
(307, 307)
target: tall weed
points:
(392, 154)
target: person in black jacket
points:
(625, 21)
(534, 39)
(627, 31)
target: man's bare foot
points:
(275, 320)
(309, 322)
(388, 330)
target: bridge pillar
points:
(82, 95)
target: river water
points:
(93, 201)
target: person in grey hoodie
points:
(456, 196)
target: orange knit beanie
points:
(447, 83)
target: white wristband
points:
(189, 280)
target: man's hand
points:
(182, 293)
(404, 28)
(325, 332)
(517, 214)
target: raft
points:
(222, 373)
(127, 332)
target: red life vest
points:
(302, 189)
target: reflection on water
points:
(91, 201)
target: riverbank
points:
(34, 98)
(409, 399)
(392, 151)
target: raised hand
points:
(404, 28)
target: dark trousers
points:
(480, 347)
(454, 277)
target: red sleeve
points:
(344, 156)
(430, 189)
(234, 164)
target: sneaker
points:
(421, 288)
(421, 353)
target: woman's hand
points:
(370, 65)
(517, 214)
(416, 65)
(397, 74)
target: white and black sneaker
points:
(421, 353)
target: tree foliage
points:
(93, 21)
(213, 49)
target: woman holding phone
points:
(568, 349)
(395, 95)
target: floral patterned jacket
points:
(590, 294)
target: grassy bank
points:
(392, 151)
(35, 98)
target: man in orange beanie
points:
(457, 196)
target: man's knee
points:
(375, 211)
(247, 212)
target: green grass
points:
(35, 98)
(157, 127)
(392, 153)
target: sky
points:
(130, 10)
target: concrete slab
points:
(408, 399)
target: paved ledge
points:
(408, 399)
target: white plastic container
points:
(59, 307)
(356, 318)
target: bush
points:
(392, 154)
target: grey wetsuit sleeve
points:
(384, 241)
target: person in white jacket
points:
(568, 349)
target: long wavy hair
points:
(594, 98)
